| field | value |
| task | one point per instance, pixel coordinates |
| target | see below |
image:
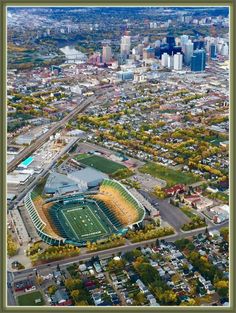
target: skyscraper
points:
(213, 51)
(164, 59)
(178, 61)
(225, 50)
(106, 54)
(188, 52)
(198, 44)
(170, 40)
(125, 45)
(170, 61)
(183, 40)
(198, 61)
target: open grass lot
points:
(172, 177)
(188, 212)
(81, 156)
(82, 222)
(102, 164)
(28, 299)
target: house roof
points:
(60, 296)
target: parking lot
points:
(148, 182)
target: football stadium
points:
(81, 217)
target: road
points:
(40, 141)
(10, 297)
(173, 215)
(42, 174)
(116, 250)
(24, 274)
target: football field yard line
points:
(97, 219)
(71, 227)
(96, 222)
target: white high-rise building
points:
(188, 52)
(170, 61)
(157, 43)
(225, 50)
(183, 40)
(178, 61)
(106, 54)
(125, 45)
(164, 59)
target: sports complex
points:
(82, 217)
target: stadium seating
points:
(43, 229)
(114, 205)
(121, 202)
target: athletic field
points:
(102, 164)
(83, 221)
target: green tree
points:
(75, 294)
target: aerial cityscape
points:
(118, 156)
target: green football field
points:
(83, 222)
(102, 164)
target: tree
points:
(82, 303)
(222, 287)
(39, 280)
(224, 231)
(52, 289)
(169, 297)
(12, 246)
(75, 294)
(72, 284)
(139, 298)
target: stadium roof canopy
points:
(88, 175)
(57, 181)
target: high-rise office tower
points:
(198, 44)
(188, 52)
(213, 51)
(170, 40)
(106, 54)
(125, 45)
(164, 59)
(183, 40)
(198, 61)
(170, 61)
(225, 50)
(178, 61)
(177, 49)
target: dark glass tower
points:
(198, 61)
(213, 51)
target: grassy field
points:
(28, 299)
(82, 222)
(102, 164)
(187, 211)
(81, 156)
(171, 176)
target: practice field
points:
(172, 177)
(29, 299)
(83, 221)
(102, 164)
